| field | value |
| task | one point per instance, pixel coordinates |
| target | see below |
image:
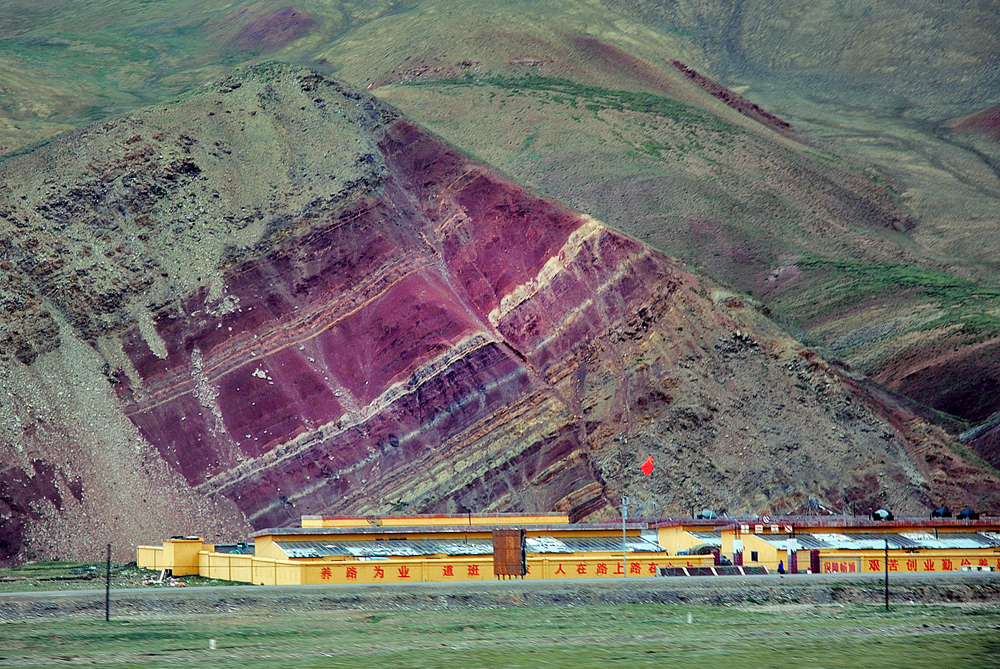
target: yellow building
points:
(446, 548)
(857, 545)
(440, 548)
(684, 536)
(179, 554)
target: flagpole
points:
(624, 548)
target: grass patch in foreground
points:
(600, 636)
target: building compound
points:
(445, 548)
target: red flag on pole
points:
(647, 467)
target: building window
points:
(753, 556)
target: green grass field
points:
(622, 636)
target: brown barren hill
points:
(986, 122)
(278, 297)
(255, 28)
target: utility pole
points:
(625, 501)
(107, 589)
(886, 572)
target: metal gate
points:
(509, 553)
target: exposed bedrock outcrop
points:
(278, 297)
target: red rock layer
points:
(385, 332)
(737, 102)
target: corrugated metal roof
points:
(876, 540)
(546, 545)
(853, 541)
(420, 547)
(313, 549)
(951, 540)
(609, 545)
(707, 537)
(804, 541)
(705, 534)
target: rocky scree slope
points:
(277, 297)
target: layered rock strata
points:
(278, 297)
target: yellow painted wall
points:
(268, 571)
(481, 569)
(264, 547)
(218, 567)
(287, 573)
(837, 561)
(767, 555)
(321, 521)
(149, 557)
(181, 555)
(900, 561)
(678, 538)
(264, 572)
(228, 567)
(241, 568)
(728, 535)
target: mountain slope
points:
(277, 296)
(869, 226)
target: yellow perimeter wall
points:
(150, 557)
(268, 571)
(925, 560)
(184, 560)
